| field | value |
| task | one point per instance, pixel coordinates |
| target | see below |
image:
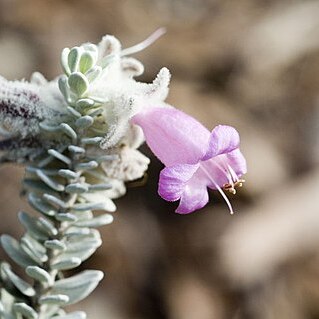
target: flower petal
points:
(237, 162)
(195, 196)
(173, 180)
(223, 139)
(173, 136)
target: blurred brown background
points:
(248, 63)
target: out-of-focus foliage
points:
(250, 64)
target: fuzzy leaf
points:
(30, 249)
(19, 283)
(84, 121)
(87, 61)
(32, 227)
(72, 315)
(74, 58)
(41, 206)
(65, 264)
(59, 300)
(25, 310)
(98, 221)
(76, 188)
(14, 251)
(49, 181)
(78, 83)
(39, 274)
(79, 286)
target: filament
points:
(233, 174)
(219, 189)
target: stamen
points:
(225, 171)
(219, 189)
(144, 44)
(230, 188)
(232, 173)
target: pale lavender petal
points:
(237, 162)
(195, 196)
(173, 136)
(223, 139)
(173, 180)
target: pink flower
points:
(194, 158)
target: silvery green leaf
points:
(41, 206)
(87, 60)
(34, 244)
(39, 274)
(72, 315)
(7, 286)
(64, 61)
(83, 215)
(92, 140)
(29, 249)
(68, 130)
(74, 58)
(76, 188)
(47, 226)
(31, 226)
(55, 244)
(99, 199)
(19, 283)
(82, 246)
(84, 121)
(85, 233)
(57, 299)
(14, 251)
(64, 87)
(78, 83)
(66, 263)
(94, 73)
(52, 311)
(25, 310)
(73, 112)
(79, 286)
(88, 242)
(96, 112)
(49, 172)
(37, 186)
(50, 181)
(55, 201)
(68, 174)
(84, 103)
(59, 156)
(98, 221)
(79, 254)
(88, 206)
(66, 217)
(88, 165)
(45, 161)
(75, 233)
(76, 149)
